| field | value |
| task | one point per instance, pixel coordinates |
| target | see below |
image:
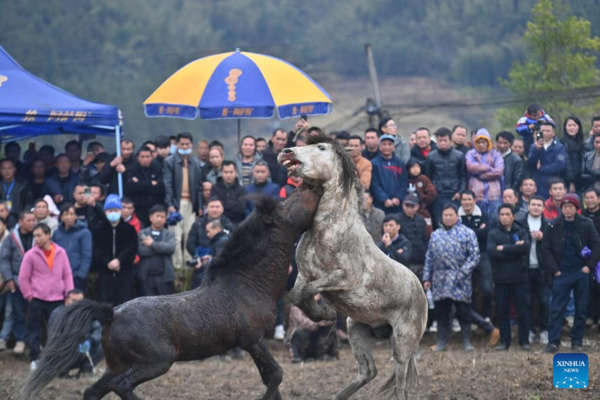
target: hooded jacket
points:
(526, 120)
(239, 165)
(485, 170)
(77, 242)
(37, 280)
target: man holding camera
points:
(547, 158)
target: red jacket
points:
(550, 210)
(38, 281)
(288, 188)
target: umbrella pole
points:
(120, 176)
(239, 123)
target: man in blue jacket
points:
(547, 158)
(261, 184)
(390, 178)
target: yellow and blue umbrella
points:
(238, 85)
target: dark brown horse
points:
(234, 307)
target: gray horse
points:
(338, 258)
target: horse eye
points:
(321, 147)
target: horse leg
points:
(100, 388)
(270, 372)
(404, 346)
(123, 385)
(361, 341)
(306, 302)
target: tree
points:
(559, 69)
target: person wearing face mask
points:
(182, 177)
(114, 251)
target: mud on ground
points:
(482, 374)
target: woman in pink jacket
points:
(485, 170)
(45, 280)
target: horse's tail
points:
(388, 389)
(69, 327)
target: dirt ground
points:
(483, 374)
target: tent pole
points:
(118, 139)
(239, 131)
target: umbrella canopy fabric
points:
(30, 106)
(238, 85)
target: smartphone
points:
(31, 146)
(87, 192)
(304, 117)
(539, 136)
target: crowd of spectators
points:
(501, 213)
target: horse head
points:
(323, 161)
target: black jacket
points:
(369, 155)
(574, 158)
(553, 243)
(595, 217)
(447, 171)
(392, 250)
(173, 178)
(232, 198)
(510, 264)
(110, 243)
(415, 230)
(589, 175)
(474, 222)
(278, 171)
(197, 235)
(522, 220)
(513, 171)
(110, 177)
(21, 196)
(418, 155)
(143, 193)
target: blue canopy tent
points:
(30, 106)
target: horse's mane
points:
(349, 176)
(245, 238)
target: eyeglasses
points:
(392, 125)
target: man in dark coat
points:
(591, 197)
(218, 240)
(276, 144)
(508, 248)
(570, 265)
(547, 159)
(197, 236)
(261, 184)
(535, 223)
(513, 164)
(414, 229)
(393, 243)
(61, 185)
(423, 146)
(155, 274)
(14, 191)
(447, 171)
(389, 180)
(109, 175)
(183, 195)
(87, 207)
(231, 193)
(114, 250)
(145, 184)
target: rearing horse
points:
(338, 258)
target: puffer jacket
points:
(485, 170)
(513, 171)
(589, 175)
(447, 171)
(451, 257)
(77, 242)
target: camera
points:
(193, 262)
(539, 136)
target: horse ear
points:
(267, 219)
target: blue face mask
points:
(173, 148)
(185, 152)
(113, 216)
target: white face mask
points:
(185, 152)
(113, 216)
(173, 149)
